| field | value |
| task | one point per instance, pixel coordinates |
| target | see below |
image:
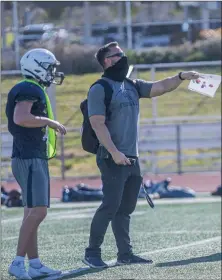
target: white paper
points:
(207, 84)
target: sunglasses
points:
(120, 54)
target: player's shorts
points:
(32, 176)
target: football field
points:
(182, 237)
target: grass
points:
(177, 103)
(74, 89)
(183, 239)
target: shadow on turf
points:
(75, 273)
(211, 258)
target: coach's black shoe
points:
(131, 259)
(94, 262)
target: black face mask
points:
(118, 71)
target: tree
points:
(7, 5)
(55, 9)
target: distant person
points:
(218, 191)
(117, 155)
(30, 121)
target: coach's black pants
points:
(121, 185)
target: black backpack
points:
(90, 142)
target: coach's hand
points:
(190, 75)
(120, 158)
(57, 126)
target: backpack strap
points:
(108, 93)
(135, 84)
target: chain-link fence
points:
(180, 133)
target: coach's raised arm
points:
(171, 83)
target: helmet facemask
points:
(51, 76)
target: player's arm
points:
(171, 83)
(23, 117)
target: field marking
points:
(9, 238)
(196, 243)
(142, 202)
(59, 236)
(148, 233)
(95, 204)
(56, 215)
(62, 205)
(84, 215)
(112, 262)
(74, 214)
(69, 215)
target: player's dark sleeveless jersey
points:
(27, 142)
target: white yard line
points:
(196, 243)
(94, 206)
(74, 205)
(9, 238)
(148, 233)
(84, 215)
(141, 202)
(112, 262)
(69, 215)
(56, 215)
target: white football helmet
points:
(40, 64)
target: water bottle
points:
(66, 194)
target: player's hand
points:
(120, 159)
(58, 127)
(190, 75)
